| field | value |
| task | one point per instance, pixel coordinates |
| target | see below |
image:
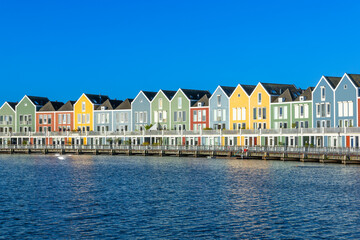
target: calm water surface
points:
(92, 197)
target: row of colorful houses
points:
(333, 102)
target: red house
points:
(199, 114)
(65, 117)
(45, 121)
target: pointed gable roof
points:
(169, 93)
(355, 78)
(110, 104)
(248, 88)
(68, 106)
(195, 95)
(333, 81)
(51, 106)
(38, 101)
(227, 90)
(12, 104)
(96, 99)
(204, 102)
(149, 95)
(126, 104)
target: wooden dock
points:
(277, 156)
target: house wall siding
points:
(345, 92)
(139, 106)
(329, 98)
(222, 109)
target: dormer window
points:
(281, 99)
(103, 108)
(302, 98)
(200, 104)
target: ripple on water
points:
(94, 197)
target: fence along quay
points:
(337, 145)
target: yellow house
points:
(239, 109)
(84, 111)
(260, 100)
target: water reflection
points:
(150, 197)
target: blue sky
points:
(61, 49)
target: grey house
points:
(141, 110)
(219, 107)
(103, 115)
(122, 116)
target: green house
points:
(160, 109)
(180, 107)
(7, 117)
(26, 113)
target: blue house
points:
(122, 116)
(141, 110)
(324, 102)
(346, 95)
(103, 116)
(219, 107)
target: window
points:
(203, 115)
(40, 119)
(254, 114)
(264, 113)
(199, 116)
(301, 111)
(68, 118)
(224, 115)
(351, 108)
(79, 118)
(160, 116)
(259, 98)
(136, 117)
(194, 115)
(317, 110)
(322, 89)
(184, 117)
(239, 95)
(328, 123)
(83, 106)
(88, 118)
(296, 111)
(219, 115)
(276, 116)
(280, 112)
(328, 109)
(218, 100)
(45, 119)
(306, 111)
(179, 102)
(322, 110)
(175, 116)
(141, 117)
(345, 86)
(259, 115)
(345, 109)
(49, 119)
(239, 114)
(160, 103)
